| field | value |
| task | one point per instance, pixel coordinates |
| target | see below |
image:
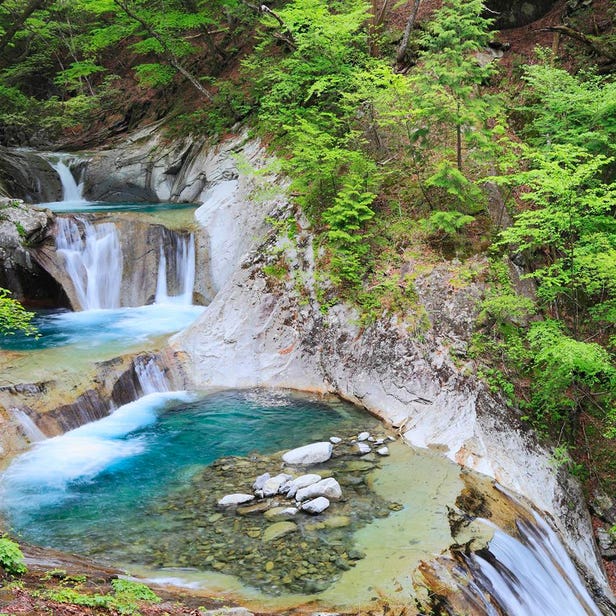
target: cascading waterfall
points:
(72, 192)
(530, 576)
(151, 377)
(93, 262)
(183, 260)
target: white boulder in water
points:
(317, 505)
(232, 500)
(272, 486)
(315, 453)
(326, 487)
(291, 488)
(362, 448)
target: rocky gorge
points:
(261, 330)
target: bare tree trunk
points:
(170, 57)
(406, 37)
(12, 30)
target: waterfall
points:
(150, 376)
(93, 263)
(182, 272)
(71, 190)
(528, 577)
(31, 430)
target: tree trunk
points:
(406, 37)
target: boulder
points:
(326, 487)
(232, 500)
(272, 486)
(315, 453)
(316, 505)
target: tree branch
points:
(169, 55)
(404, 43)
(595, 43)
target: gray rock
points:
(362, 448)
(272, 486)
(281, 513)
(383, 451)
(232, 500)
(316, 505)
(315, 453)
(326, 487)
(335, 440)
(260, 481)
(363, 436)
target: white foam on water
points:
(72, 191)
(184, 272)
(44, 474)
(128, 325)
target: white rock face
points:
(326, 487)
(315, 453)
(315, 506)
(232, 500)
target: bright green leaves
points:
(11, 557)
(572, 223)
(13, 317)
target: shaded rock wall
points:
(28, 176)
(518, 13)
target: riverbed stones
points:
(335, 440)
(278, 530)
(315, 453)
(316, 505)
(383, 451)
(272, 486)
(260, 481)
(280, 513)
(362, 448)
(363, 436)
(233, 500)
(326, 487)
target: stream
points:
(139, 488)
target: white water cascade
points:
(150, 376)
(93, 262)
(184, 272)
(72, 192)
(530, 577)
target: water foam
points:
(44, 474)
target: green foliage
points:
(13, 317)
(447, 223)
(125, 599)
(562, 108)
(11, 557)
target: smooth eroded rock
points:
(316, 505)
(326, 487)
(315, 453)
(279, 529)
(232, 500)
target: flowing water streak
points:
(184, 271)
(93, 263)
(71, 190)
(150, 376)
(31, 430)
(532, 576)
